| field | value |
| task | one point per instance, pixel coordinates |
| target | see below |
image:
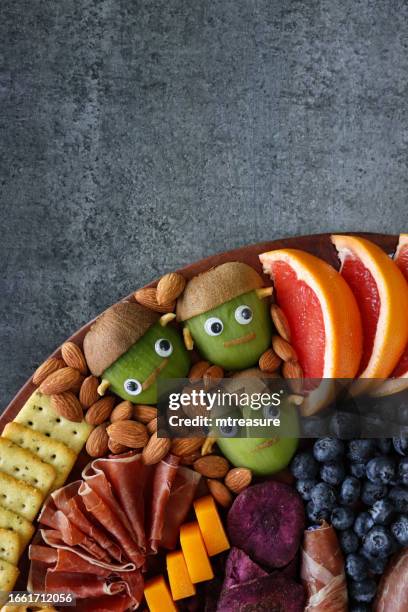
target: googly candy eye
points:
(271, 412)
(228, 431)
(163, 347)
(132, 386)
(213, 326)
(243, 314)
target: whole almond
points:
(152, 426)
(220, 492)
(88, 394)
(129, 433)
(281, 322)
(293, 372)
(143, 413)
(283, 349)
(169, 288)
(269, 361)
(198, 370)
(122, 412)
(74, 357)
(211, 466)
(148, 298)
(45, 369)
(67, 405)
(100, 411)
(77, 386)
(116, 448)
(62, 380)
(186, 446)
(238, 479)
(97, 443)
(155, 449)
(212, 376)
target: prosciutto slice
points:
(181, 497)
(392, 593)
(161, 485)
(322, 570)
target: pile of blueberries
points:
(360, 486)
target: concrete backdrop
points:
(138, 136)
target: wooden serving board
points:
(318, 244)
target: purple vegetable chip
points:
(267, 521)
(240, 568)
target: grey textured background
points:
(138, 136)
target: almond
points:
(152, 426)
(283, 349)
(186, 446)
(212, 376)
(155, 449)
(77, 386)
(97, 443)
(211, 466)
(122, 412)
(148, 298)
(100, 411)
(116, 448)
(68, 406)
(220, 492)
(74, 357)
(198, 370)
(281, 322)
(45, 369)
(293, 372)
(169, 288)
(88, 394)
(238, 479)
(143, 413)
(62, 380)
(128, 433)
(269, 361)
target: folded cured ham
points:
(96, 533)
(392, 593)
(323, 570)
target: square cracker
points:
(51, 451)
(11, 520)
(24, 465)
(38, 414)
(19, 496)
(8, 575)
(9, 546)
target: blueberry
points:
(350, 491)
(314, 426)
(342, 518)
(316, 514)
(376, 565)
(382, 512)
(345, 425)
(360, 450)
(399, 530)
(401, 445)
(328, 449)
(403, 471)
(358, 470)
(348, 541)
(378, 542)
(323, 496)
(332, 472)
(372, 492)
(359, 607)
(304, 488)
(381, 469)
(304, 465)
(402, 413)
(363, 590)
(399, 497)
(363, 523)
(373, 425)
(384, 445)
(356, 566)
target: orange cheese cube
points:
(212, 529)
(158, 596)
(179, 578)
(195, 554)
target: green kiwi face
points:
(235, 334)
(160, 353)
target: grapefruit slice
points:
(322, 313)
(381, 293)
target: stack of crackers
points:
(37, 452)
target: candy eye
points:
(132, 386)
(228, 431)
(243, 315)
(213, 326)
(163, 347)
(271, 412)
